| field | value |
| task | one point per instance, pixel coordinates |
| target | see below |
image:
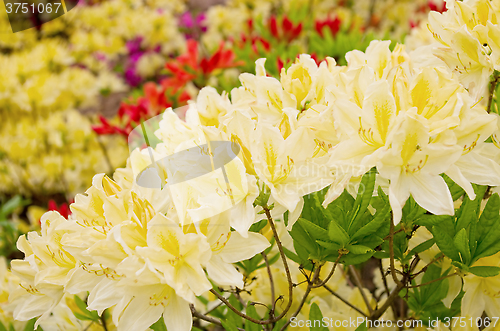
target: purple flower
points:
(132, 78)
(134, 45)
(186, 20)
(192, 25)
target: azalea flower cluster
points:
(48, 135)
(235, 35)
(56, 84)
(132, 37)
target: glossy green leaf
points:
(365, 193)
(252, 312)
(374, 225)
(315, 231)
(461, 242)
(445, 242)
(316, 319)
(338, 234)
(485, 271)
(159, 325)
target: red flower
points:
(151, 104)
(280, 64)
(63, 209)
(434, 7)
(171, 91)
(189, 66)
(314, 56)
(333, 25)
(107, 128)
(287, 31)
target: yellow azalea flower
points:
(229, 247)
(482, 294)
(465, 32)
(413, 165)
(177, 255)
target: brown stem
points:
(103, 322)
(386, 286)
(285, 263)
(380, 311)
(329, 275)
(271, 284)
(358, 283)
(344, 300)
(206, 318)
(493, 85)
(427, 265)
(88, 326)
(433, 281)
(304, 298)
(214, 308)
(239, 313)
(288, 274)
(391, 254)
(396, 232)
(384, 279)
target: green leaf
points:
(490, 214)
(231, 316)
(252, 312)
(337, 234)
(431, 294)
(11, 205)
(374, 225)
(301, 252)
(461, 242)
(358, 249)
(338, 212)
(329, 246)
(279, 324)
(365, 193)
(445, 241)
(362, 327)
(316, 317)
(301, 236)
(381, 255)
(30, 326)
(490, 244)
(315, 231)
(467, 215)
(455, 189)
(2, 327)
(354, 259)
(271, 261)
(370, 241)
(460, 265)
(485, 271)
(256, 227)
(81, 304)
(430, 220)
(159, 325)
(411, 211)
(291, 255)
(229, 326)
(422, 247)
(83, 317)
(85, 313)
